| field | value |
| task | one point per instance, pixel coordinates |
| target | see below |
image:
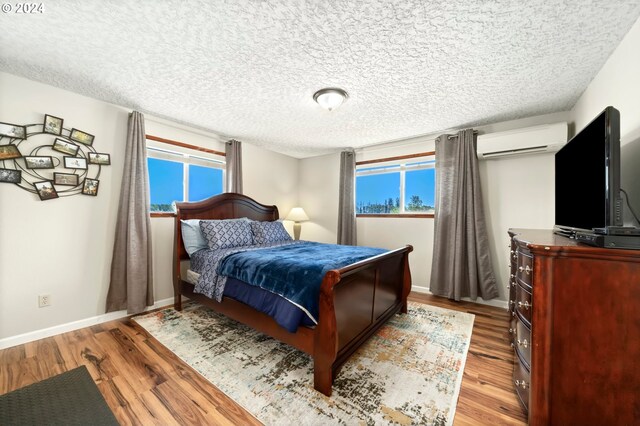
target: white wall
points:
(617, 84)
(60, 247)
(518, 192)
(63, 247)
(318, 189)
(270, 178)
(394, 233)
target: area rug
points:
(409, 372)
(70, 398)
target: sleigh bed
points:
(354, 300)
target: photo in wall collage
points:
(50, 160)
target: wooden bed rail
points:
(355, 267)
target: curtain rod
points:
(185, 145)
(395, 143)
(399, 157)
(475, 132)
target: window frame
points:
(402, 172)
(186, 160)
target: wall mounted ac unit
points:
(547, 138)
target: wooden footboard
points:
(355, 301)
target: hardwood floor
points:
(144, 383)
(487, 396)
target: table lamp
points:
(297, 215)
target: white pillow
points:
(192, 236)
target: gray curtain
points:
(461, 260)
(347, 200)
(233, 153)
(131, 285)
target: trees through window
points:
(405, 186)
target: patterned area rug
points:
(408, 373)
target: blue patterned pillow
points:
(226, 233)
(269, 232)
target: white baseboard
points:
(31, 336)
(8, 342)
(494, 302)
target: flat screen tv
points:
(587, 181)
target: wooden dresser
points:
(575, 329)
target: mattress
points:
(192, 277)
(285, 313)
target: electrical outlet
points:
(44, 300)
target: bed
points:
(354, 301)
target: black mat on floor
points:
(70, 398)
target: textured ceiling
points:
(248, 69)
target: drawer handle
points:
(512, 330)
(512, 302)
(523, 343)
(524, 305)
(521, 383)
(525, 269)
(512, 276)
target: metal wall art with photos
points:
(50, 160)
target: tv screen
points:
(587, 180)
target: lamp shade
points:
(297, 214)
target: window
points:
(179, 176)
(396, 186)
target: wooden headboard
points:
(224, 206)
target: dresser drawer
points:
(513, 253)
(512, 295)
(525, 269)
(522, 342)
(512, 331)
(521, 381)
(523, 304)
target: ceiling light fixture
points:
(330, 98)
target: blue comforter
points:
(206, 263)
(293, 271)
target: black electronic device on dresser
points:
(589, 205)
